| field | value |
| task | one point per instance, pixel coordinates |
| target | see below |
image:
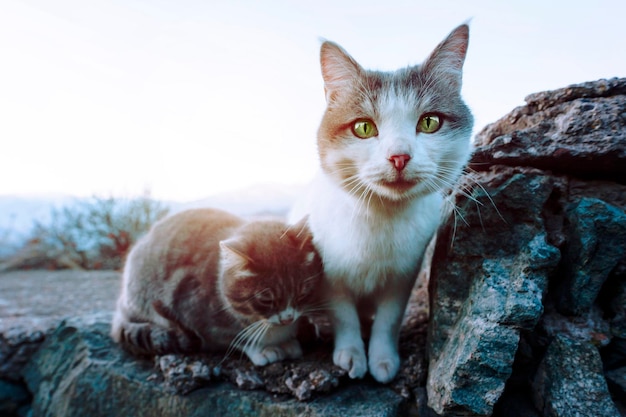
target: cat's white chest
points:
(366, 249)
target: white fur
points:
(363, 247)
(372, 239)
(371, 222)
(369, 250)
(277, 343)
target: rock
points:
(27, 316)
(578, 130)
(80, 371)
(78, 356)
(570, 382)
(17, 345)
(616, 379)
(489, 272)
(590, 327)
(597, 243)
(13, 397)
(534, 247)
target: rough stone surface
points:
(78, 357)
(617, 382)
(578, 130)
(489, 272)
(533, 249)
(32, 303)
(13, 398)
(79, 371)
(597, 243)
(570, 382)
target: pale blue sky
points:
(189, 98)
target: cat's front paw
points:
(266, 355)
(384, 367)
(351, 359)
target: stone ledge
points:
(56, 351)
(91, 376)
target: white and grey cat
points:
(206, 280)
(389, 144)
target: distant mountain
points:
(266, 199)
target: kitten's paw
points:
(352, 359)
(292, 349)
(267, 355)
(384, 368)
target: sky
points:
(189, 98)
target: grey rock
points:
(570, 382)
(489, 273)
(13, 396)
(542, 207)
(616, 379)
(17, 345)
(578, 130)
(597, 243)
(79, 371)
(27, 316)
(590, 327)
(615, 305)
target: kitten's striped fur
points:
(206, 280)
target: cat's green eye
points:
(364, 129)
(429, 123)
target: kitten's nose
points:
(399, 161)
(286, 317)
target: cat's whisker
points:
(258, 335)
(250, 336)
(238, 340)
(465, 190)
(479, 185)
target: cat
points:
(206, 280)
(389, 144)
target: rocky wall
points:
(528, 279)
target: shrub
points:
(91, 234)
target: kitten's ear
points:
(448, 57)
(339, 70)
(232, 256)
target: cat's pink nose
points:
(399, 161)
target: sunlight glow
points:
(191, 98)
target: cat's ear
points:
(232, 256)
(339, 70)
(448, 57)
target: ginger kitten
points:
(206, 280)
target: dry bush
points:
(90, 234)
